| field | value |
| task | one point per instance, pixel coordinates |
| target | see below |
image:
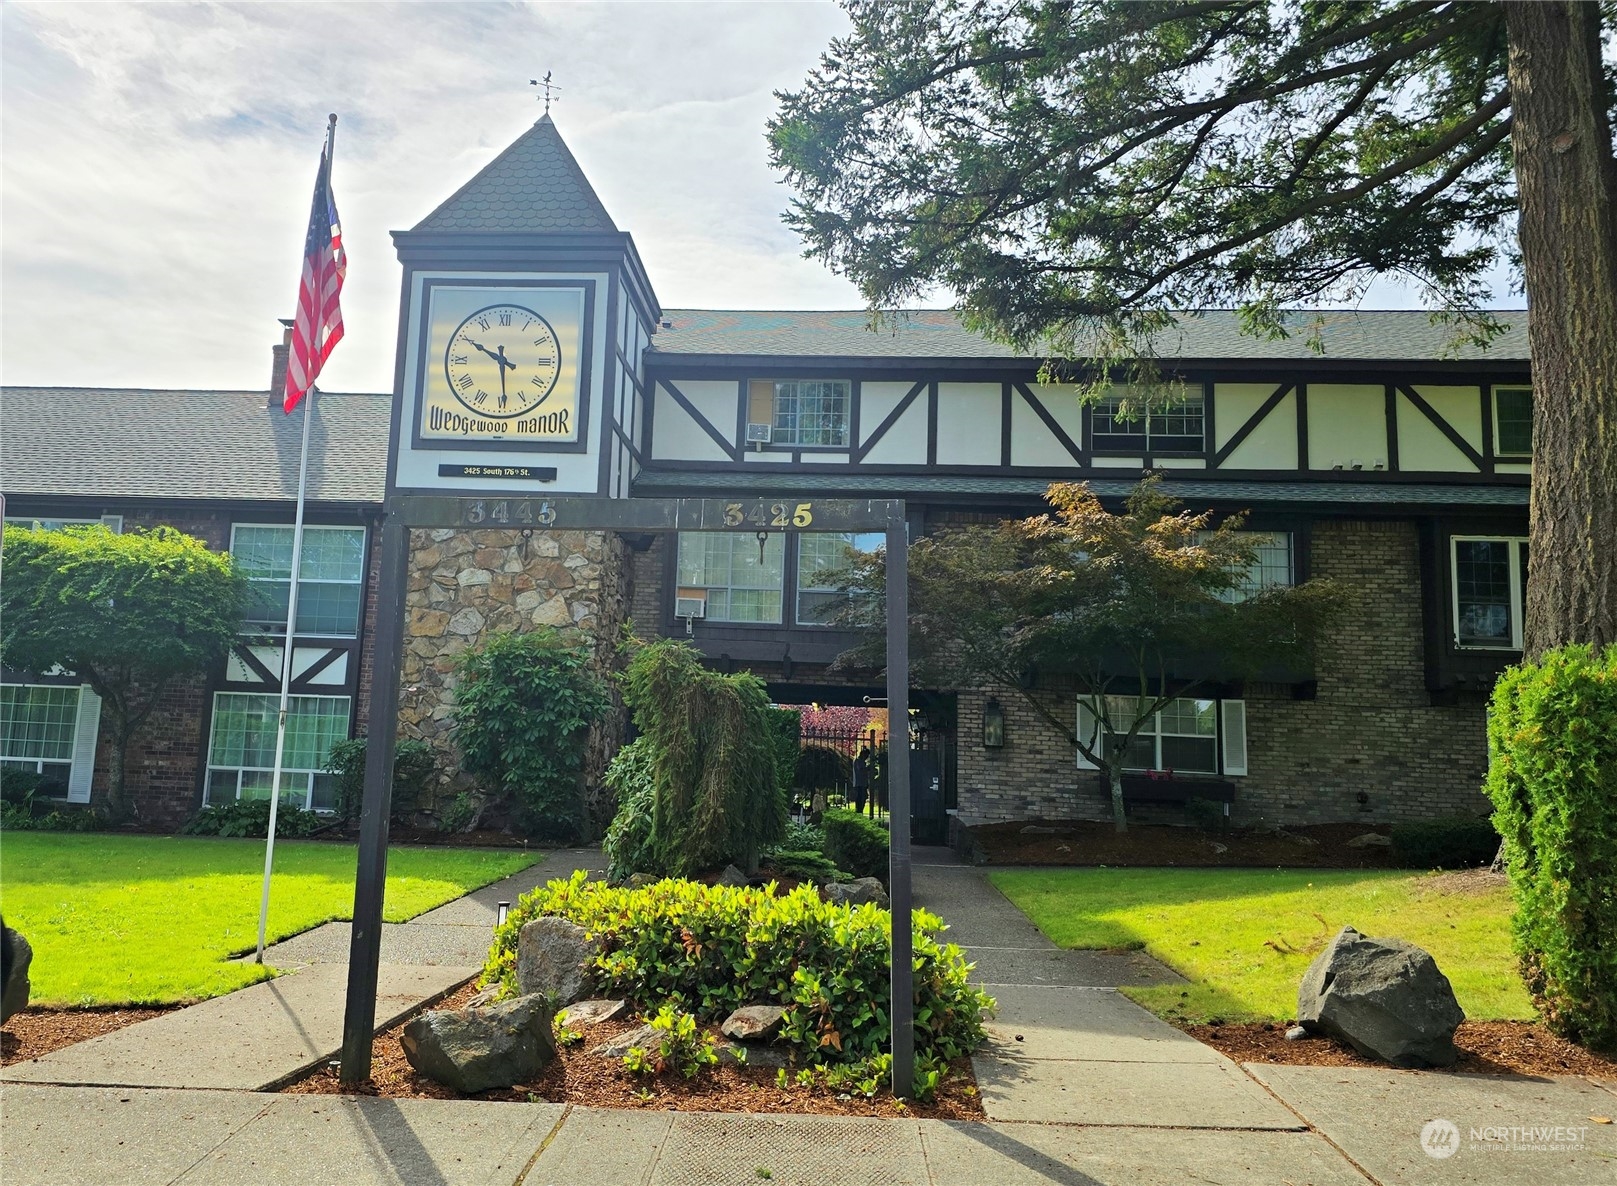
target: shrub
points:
(786, 729)
(707, 950)
(857, 845)
(522, 711)
(22, 818)
(413, 766)
(250, 817)
(1552, 738)
(459, 815)
(803, 864)
(628, 845)
(681, 1046)
(1445, 844)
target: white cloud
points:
(158, 161)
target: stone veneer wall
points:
(466, 585)
(1371, 729)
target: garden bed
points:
(34, 1032)
(1088, 842)
(579, 1077)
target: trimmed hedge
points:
(1552, 738)
(250, 817)
(1445, 844)
(855, 844)
(708, 950)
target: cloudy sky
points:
(158, 161)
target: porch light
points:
(993, 725)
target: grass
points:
(117, 920)
(1243, 937)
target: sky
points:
(157, 162)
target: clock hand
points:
(499, 358)
(504, 362)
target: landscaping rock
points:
(1296, 1034)
(14, 993)
(593, 1012)
(644, 1037)
(1370, 840)
(769, 1057)
(641, 880)
(859, 892)
(1384, 997)
(753, 1023)
(474, 1050)
(484, 997)
(554, 957)
(732, 876)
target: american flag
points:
(319, 321)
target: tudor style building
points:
(1390, 462)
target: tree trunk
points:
(117, 792)
(1118, 818)
(1567, 186)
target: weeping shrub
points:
(713, 754)
(628, 845)
(1552, 738)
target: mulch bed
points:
(1486, 1048)
(36, 1032)
(1088, 842)
(579, 1077)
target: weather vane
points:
(548, 87)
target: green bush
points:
(786, 729)
(18, 787)
(1445, 844)
(250, 817)
(458, 815)
(855, 844)
(628, 845)
(522, 712)
(1552, 739)
(809, 864)
(22, 817)
(681, 1046)
(708, 950)
(413, 766)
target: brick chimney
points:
(278, 354)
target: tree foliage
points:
(714, 752)
(1149, 601)
(128, 614)
(522, 712)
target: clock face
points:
(502, 361)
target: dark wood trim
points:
(1444, 427)
(300, 682)
(1487, 427)
(932, 422)
(858, 455)
(609, 388)
(855, 396)
(1302, 426)
(629, 445)
(1005, 424)
(680, 398)
(1391, 412)
(1252, 422)
(743, 406)
(244, 652)
(1209, 425)
(650, 397)
(1050, 422)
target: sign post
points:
(505, 512)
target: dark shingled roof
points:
(937, 333)
(533, 187)
(686, 482)
(188, 445)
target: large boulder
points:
(14, 992)
(753, 1023)
(858, 892)
(477, 1049)
(1384, 997)
(555, 957)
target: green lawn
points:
(1243, 937)
(147, 919)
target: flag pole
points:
(291, 629)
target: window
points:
(1182, 737)
(114, 523)
(1176, 427)
(38, 725)
(811, 412)
(1490, 582)
(822, 559)
(741, 581)
(1513, 421)
(1271, 570)
(241, 750)
(330, 582)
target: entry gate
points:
(403, 512)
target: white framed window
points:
(1179, 427)
(241, 748)
(1513, 421)
(1272, 568)
(811, 412)
(823, 557)
(1188, 735)
(331, 578)
(50, 730)
(113, 523)
(741, 580)
(1489, 591)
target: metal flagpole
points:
(286, 671)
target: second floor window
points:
(1174, 428)
(736, 579)
(1513, 421)
(823, 561)
(812, 412)
(331, 579)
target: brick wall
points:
(1371, 730)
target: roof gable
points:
(534, 187)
